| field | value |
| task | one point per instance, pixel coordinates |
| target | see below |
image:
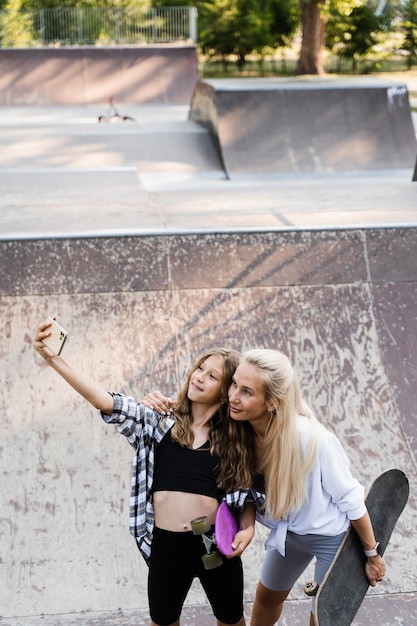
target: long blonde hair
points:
(229, 440)
(285, 464)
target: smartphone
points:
(56, 340)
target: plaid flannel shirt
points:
(143, 428)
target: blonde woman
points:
(185, 463)
(304, 490)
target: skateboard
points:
(219, 542)
(344, 586)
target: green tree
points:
(315, 16)
(14, 31)
(241, 27)
(352, 35)
(360, 35)
(408, 26)
(49, 20)
(284, 23)
(284, 20)
(313, 26)
(231, 27)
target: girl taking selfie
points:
(185, 463)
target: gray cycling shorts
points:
(281, 572)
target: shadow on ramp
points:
(90, 75)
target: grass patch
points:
(284, 65)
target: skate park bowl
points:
(133, 236)
(341, 304)
(302, 126)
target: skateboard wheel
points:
(200, 525)
(212, 560)
(311, 588)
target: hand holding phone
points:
(57, 338)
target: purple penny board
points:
(225, 528)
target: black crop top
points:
(259, 482)
(180, 469)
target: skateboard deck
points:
(345, 585)
(219, 542)
(225, 528)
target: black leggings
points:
(175, 561)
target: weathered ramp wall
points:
(342, 304)
(291, 126)
(88, 75)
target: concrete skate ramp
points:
(341, 304)
(160, 74)
(267, 127)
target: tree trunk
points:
(312, 44)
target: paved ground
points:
(105, 222)
(61, 172)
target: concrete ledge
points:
(89, 74)
(297, 126)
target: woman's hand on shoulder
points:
(158, 402)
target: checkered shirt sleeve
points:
(142, 427)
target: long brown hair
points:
(230, 440)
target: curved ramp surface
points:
(342, 304)
(158, 74)
(270, 127)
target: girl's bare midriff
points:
(174, 510)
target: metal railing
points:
(86, 26)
